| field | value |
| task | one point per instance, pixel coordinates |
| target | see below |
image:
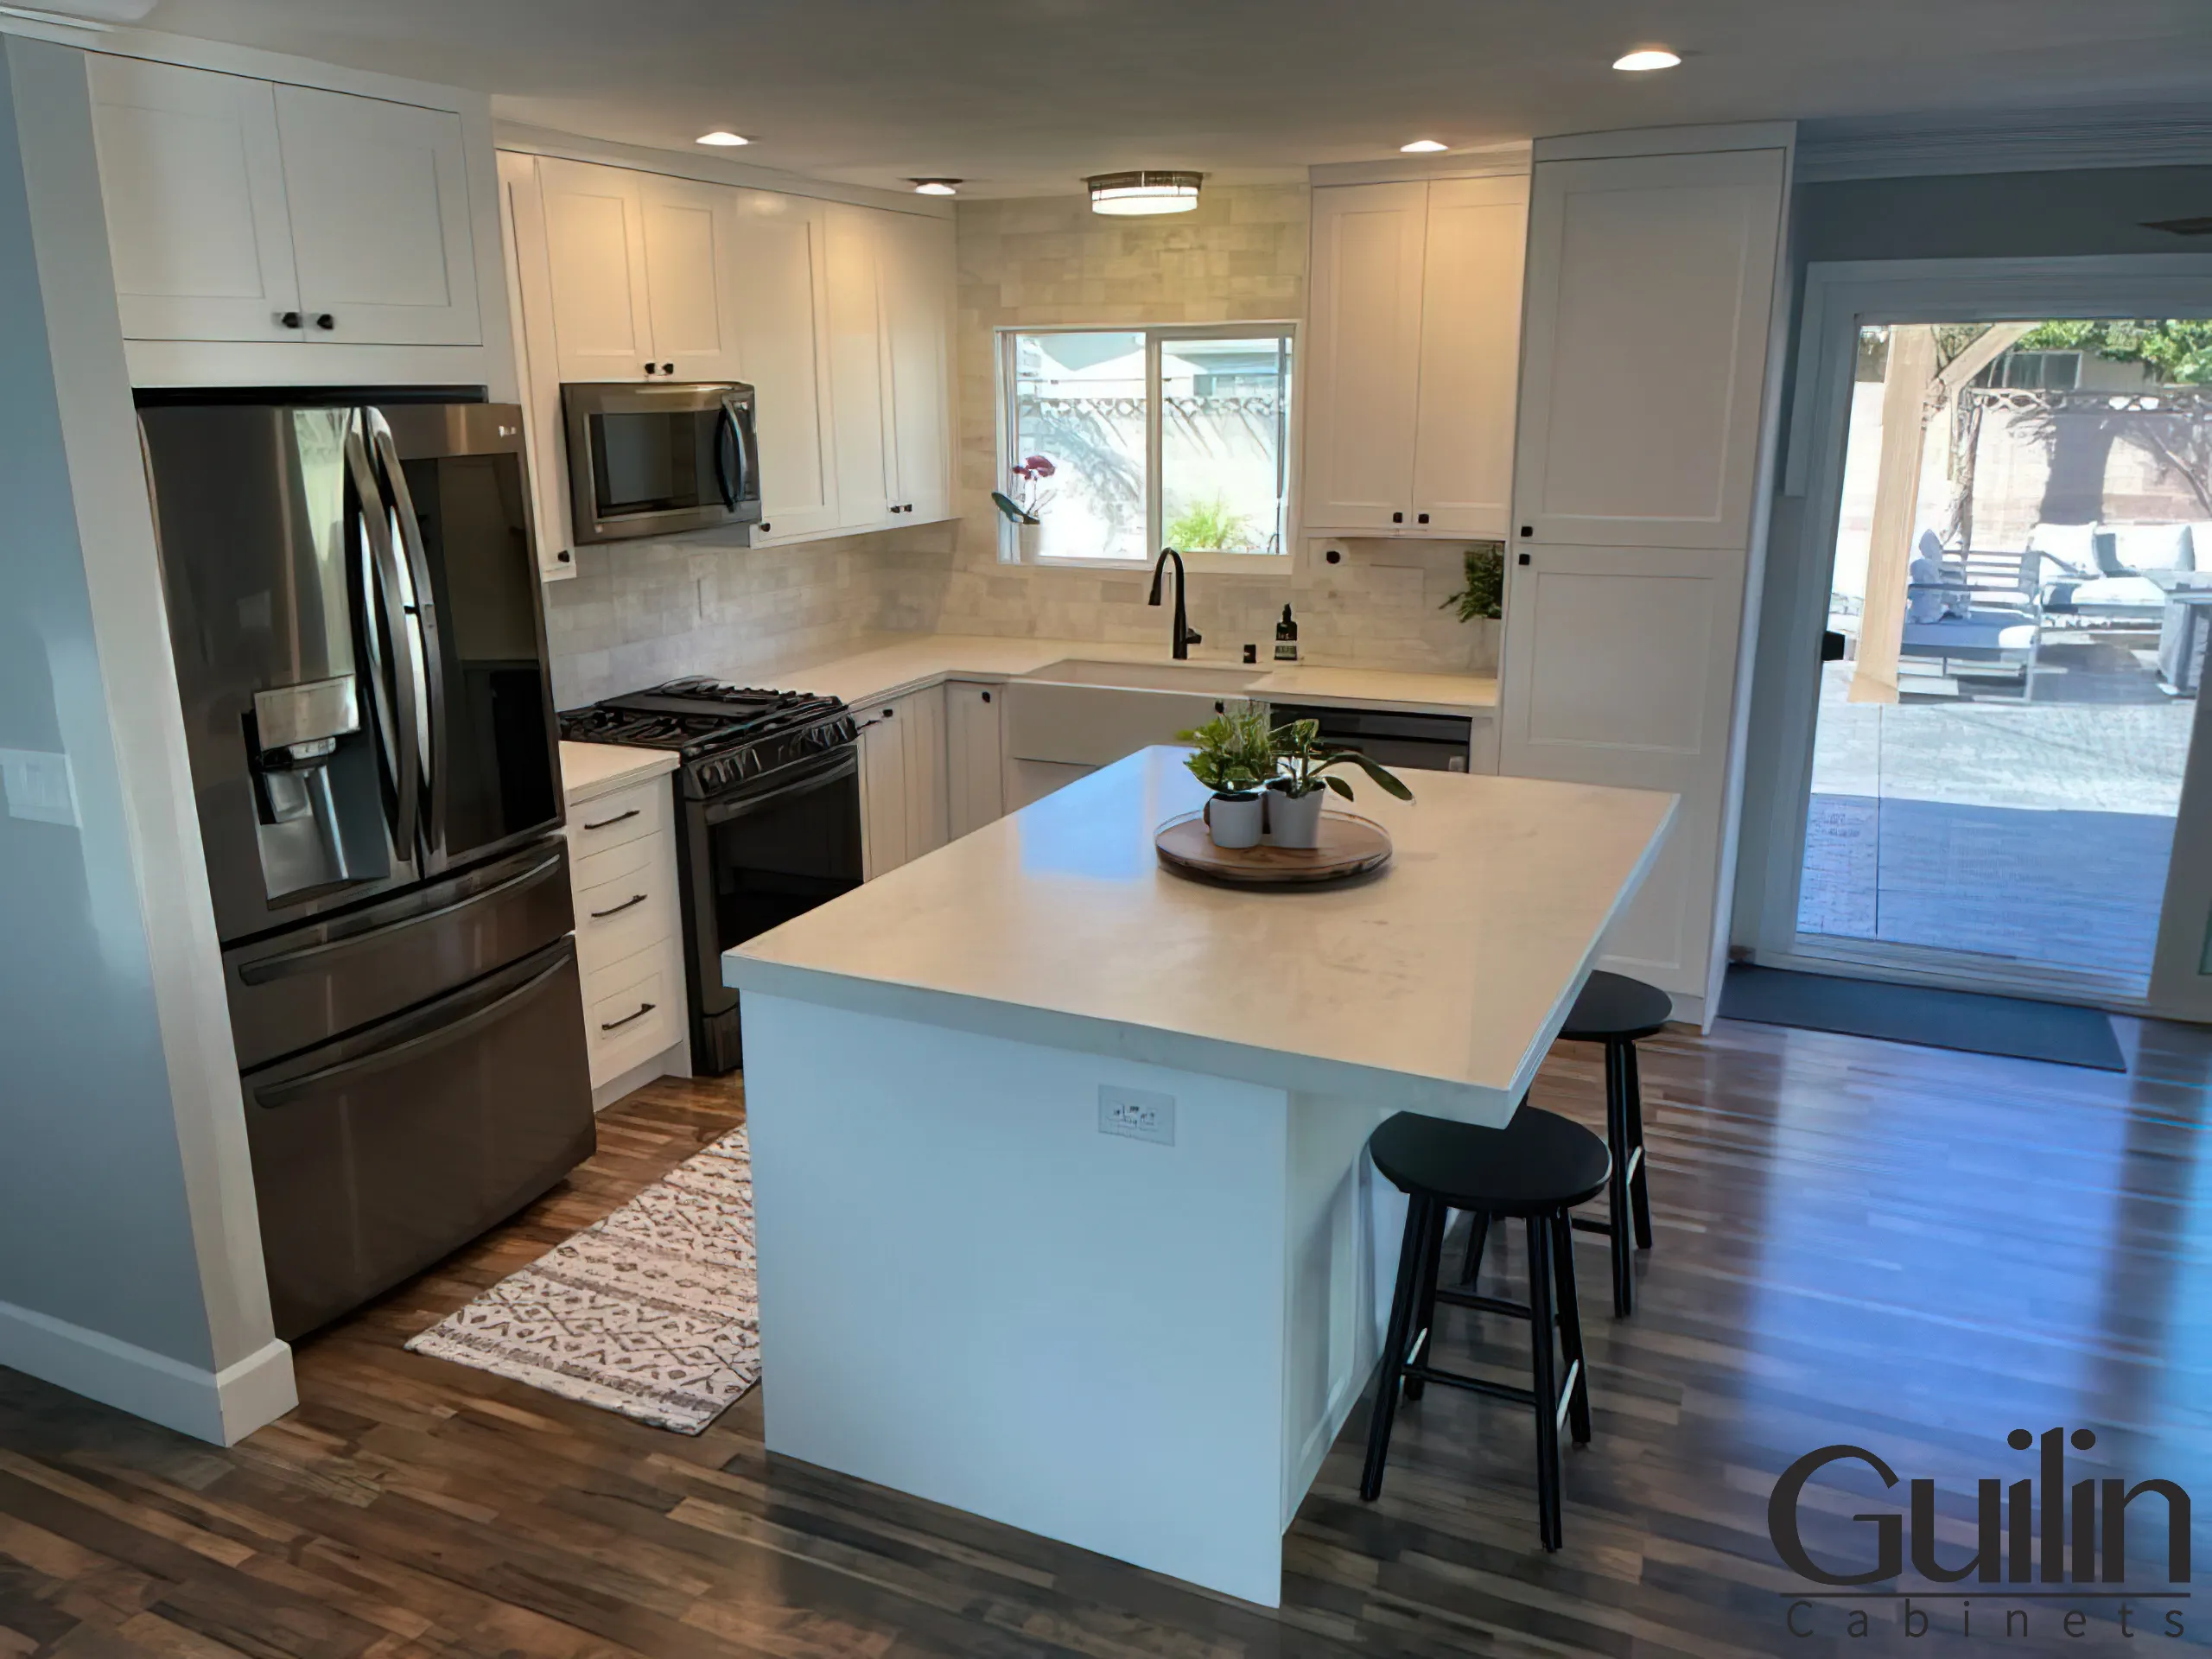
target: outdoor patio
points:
(2037, 832)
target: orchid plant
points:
(1030, 473)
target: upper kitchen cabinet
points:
(1651, 281)
(860, 378)
(242, 211)
(1412, 355)
(916, 266)
(782, 272)
(643, 277)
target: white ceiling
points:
(1023, 97)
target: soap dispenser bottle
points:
(1287, 638)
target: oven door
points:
(753, 861)
(657, 459)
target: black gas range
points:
(767, 820)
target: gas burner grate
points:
(696, 716)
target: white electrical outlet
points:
(38, 787)
(1138, 1113)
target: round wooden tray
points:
(1351, 846)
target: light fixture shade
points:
(935, 187)
(719, 139)
(1150, 191)
(1424, 147)
(1646, 57)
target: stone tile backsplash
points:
(638, 612)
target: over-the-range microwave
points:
(654, 460)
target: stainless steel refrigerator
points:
(353, 605)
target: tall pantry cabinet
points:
(1646, 370)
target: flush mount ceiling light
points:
(935, 187)
(1647, 57)
(719, 139)
(1423, 147)
(1151, 191)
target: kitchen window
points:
(1155, 437)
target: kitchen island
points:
(1062, 1211)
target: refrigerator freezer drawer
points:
(375, 1155)
(311, 983)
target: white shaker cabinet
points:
(975, 757)
(1651, 280)
(1412, 356)
(860, 379)
(903, 796)
(595, 253)
(241, 210)
(915, 267)
(781, 260)
(1650, 284)
(692, 299)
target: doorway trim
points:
(1838, 298)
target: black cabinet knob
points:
(1524, 558)
(651, 369)
(1420, 517)
(1334, 556)
(290, 319)
(668, 368)
(766, 527)
(324, 319)
(986, 696)
(1397, 518)
(1528, 529)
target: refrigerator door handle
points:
(432, 665)
(278, 1094)
(284, 966)
(405, 763)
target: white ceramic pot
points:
(1030, 540)
(1295, 820)
(1236, 821)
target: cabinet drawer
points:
(620, 916)
(633, 1009)
(610, 820)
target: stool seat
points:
(1614, 1008)
(1538, 1163)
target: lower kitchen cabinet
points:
(974, 765)
(902, 778)
(629, 931)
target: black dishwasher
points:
(1417, 742)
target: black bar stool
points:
(1538, 1167)
(1617, 1011)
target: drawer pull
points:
(608, 823)
(634, 899)
(644, 1008)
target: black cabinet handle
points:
(634, 899)
(986, 696)
(651, 369)
(766, 527)
(291, 319)
(1397, 518)
(1420, 517)
(1528, 529)
(1524, 558)
(606, 824)
(668, 368)
(324, 319)
(644, 1008)
(889, 712)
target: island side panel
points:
(969, 1294)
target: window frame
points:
(1272, 565)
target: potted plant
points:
(1308, 770)
(1235, 755)
(1026, 512)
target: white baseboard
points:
(674, 1061)
(222, 1407)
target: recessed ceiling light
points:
(1424, 147)
(718, 137)
(935, 187)
(1649, 57)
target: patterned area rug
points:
(651, 1312)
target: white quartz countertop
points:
(890, 664)
(590, 770)
(1435, 986)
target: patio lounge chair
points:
(1976, 611)
(2124, 573)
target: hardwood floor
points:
(1902, 1248)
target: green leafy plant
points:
(1484, 593)
(1236, 750)
(1306, 764)
(2178, 350)
(1210, 526)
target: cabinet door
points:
(1470, 354)
(883, 788)
(860, 405)
(1363, 357)
(1649, 280)
(193, 184)
(595, 246)
(378, 195)
(781, 267)
(922, 716)
(974, 765)
(689, 233)
(530, 304)
(1620, 667)
(916, 266)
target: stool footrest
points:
(1480, 1303)
(1473, 1384)
(1590, 1225)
